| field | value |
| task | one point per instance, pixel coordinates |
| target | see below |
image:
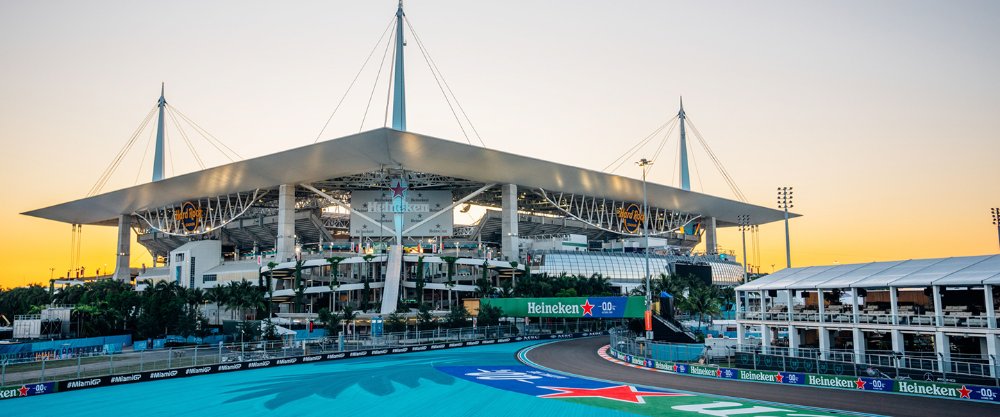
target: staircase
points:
(666, 330)
(393, 270)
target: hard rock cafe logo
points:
(189, 216)
(631, 217)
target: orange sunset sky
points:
(882, 115)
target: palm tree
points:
(300, 287)
(270, 287)
(217, 295)
(335, 282)
(420, 279)
(484, 287)
(702, 299)
(367, 288)
(450, 260)
(513, 274)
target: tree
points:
(335, 279)
(395, 323)
(420, 279)
(19, 300)
(300, 287)
(489, 315)
(365, 293)
(331, 320)
(349, 315)
(702, 299)
(424, 316)
(270, 288)
(458, 317)
(450, 260)
(219, 296)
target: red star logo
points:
(397, 190)
(779, 377)
(675, 367)
(24, 390)
(964, 391)
(624, 393)
(718, 373)
(588, 308)
(860, 384)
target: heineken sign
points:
(570, 307)
(924, 388)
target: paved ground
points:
(580, 357)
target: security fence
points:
(924, 366)
(625, 341)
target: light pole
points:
(996, 221)
(744, 221)
(785, 203)
(644, 164)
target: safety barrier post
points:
(196, 356)
(3, 373)
(43, 368)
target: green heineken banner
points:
(570, 307)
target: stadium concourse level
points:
(580, 357)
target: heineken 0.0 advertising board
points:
(570, 307)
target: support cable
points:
(187, 141)
(228, 152)
(630, 152)
(355, 80)
(374, 86)
(718, 164)
(435, 69)
(145, 153)
(440, 87)
(110, 169)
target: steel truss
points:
(601, 213)
(216, 212)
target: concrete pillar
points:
(122, 272)
(854, 306)
(897, 342)
(763, 304)
(894, 305)
(824, 342)
(938, 320)
(793, 341)
(711, 239)
(992, 353)
(943, 350)
(741, 334)
(508, 226)
(790, 304)
(859, 345)
(765, 339)
(286, 223)
(820, 300)
(991, 314)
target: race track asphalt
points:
(579, 357)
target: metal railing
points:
(885, 317)
(912, 365)
(95, 365)
(626, 342)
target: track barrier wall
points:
(913, 387)
(32, 389)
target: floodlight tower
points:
(785, 203)
(744, 222)
(644, 165)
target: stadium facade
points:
(367, 209)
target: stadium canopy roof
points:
(391, 149)
(957, 271)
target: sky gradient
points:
(882, 115)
